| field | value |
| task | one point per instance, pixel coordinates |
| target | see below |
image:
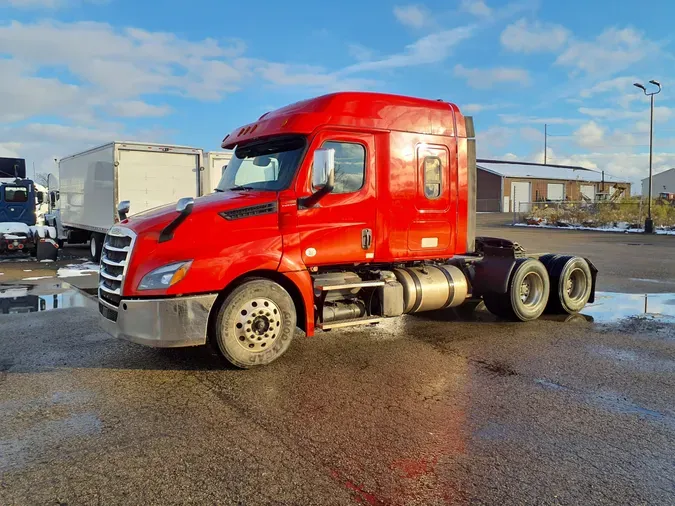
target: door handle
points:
(366, 238)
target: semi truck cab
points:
(336, 211)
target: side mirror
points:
(323, 177)
(184, 208)
(185, 205)
(40, 198)
(324, 167)
(123, 209)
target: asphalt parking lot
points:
(420, 410)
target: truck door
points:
(434, 229)
(341, 227)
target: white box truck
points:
(214, 165)
(94, 182)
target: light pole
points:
(649, 223)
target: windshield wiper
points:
(218, 190)
(241, 188)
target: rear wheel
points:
(527, 293)
(571, 284)
(95, 246)
(255, 324)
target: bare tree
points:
(42, 178)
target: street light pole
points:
(649, 223)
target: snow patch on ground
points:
(75, 270)
(46, 261)
(11, 293)
(596, 229)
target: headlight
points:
(164, 277)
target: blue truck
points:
(19, 232)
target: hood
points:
(159, 217)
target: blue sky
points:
(85, 72)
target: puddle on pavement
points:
(608, 307)
(27, 298)
(612, 307)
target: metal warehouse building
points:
(663, 182)
(506, 186)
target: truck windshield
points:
(16, 194)
(269, 164)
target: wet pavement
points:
(422, 410)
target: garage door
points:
(555, 191)
(520, 196)
(588, 192)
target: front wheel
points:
(527, 293)
(255, 324)
(95, 246)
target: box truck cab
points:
(336, 211)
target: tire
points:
(268, 336)
(571, 285)
(527, 294)
(95, 247)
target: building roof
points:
(645, 180)
(530, 170)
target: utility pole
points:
(649, 223)
(545, 141)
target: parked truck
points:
(341, 210)
(94, 182)
(20, 204)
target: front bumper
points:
(160, 323)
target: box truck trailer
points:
(215, 163)
(94, 182)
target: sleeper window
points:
(432, 177)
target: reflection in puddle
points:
(612, 307)
(15, 299)
(608, 307)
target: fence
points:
(488, 205)
(624, 215)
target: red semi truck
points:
(336, 211)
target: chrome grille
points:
(114, 261)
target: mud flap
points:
(46, 249)
(594, 277)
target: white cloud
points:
(661, 114)
(476, 108)
(139, 109)
(487, 78)
(432, 48)
(414, 16)
(309, 76)
(361, 53)
(511, 119)
(589, 135)
(612, 51)
(618, 84)
(537, 37)
(45, 4)
(476, 7)
(10, 149)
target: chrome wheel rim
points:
(258, 324)
(576, 284)
(531, 289)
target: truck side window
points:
(432, 177)
(350, 165)
(16, 194)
